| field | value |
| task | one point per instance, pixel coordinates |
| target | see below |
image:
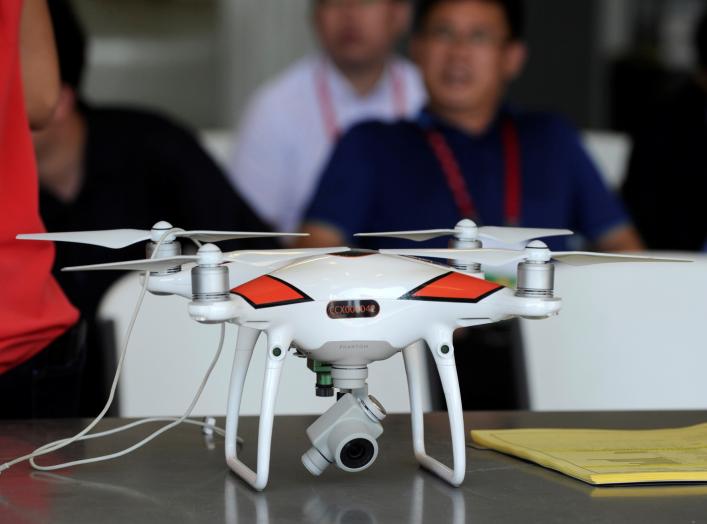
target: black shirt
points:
(139, 168)
(667, 180)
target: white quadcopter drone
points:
(343, 309)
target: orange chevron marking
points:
(455, 286)
(269, 291)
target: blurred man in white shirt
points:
(292, 122)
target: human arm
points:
(344, 199)
(597, 211)
(622, 238)
(40, 69)
(321, 235)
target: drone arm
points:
(443, 353)
(171, 284)
(277, 350)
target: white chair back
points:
(628, 337)
(610, 151)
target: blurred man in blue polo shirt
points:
(468, 154)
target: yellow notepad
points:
(599, 456)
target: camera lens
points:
(357, 453)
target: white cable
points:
(217, 430)
(59, 444)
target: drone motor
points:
(169, 247)
(466, 236)
(535, 279)
(536, 274)
(210, 288)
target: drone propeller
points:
(514, 235)
(208, 255)
(536, 251)
(467, 230)
(155, 265)
(273, 256)
(585, 258)
(215, 257)
(119, 238)
(114, 238)
(490, 257)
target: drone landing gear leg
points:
(277, 350)
(443, 354)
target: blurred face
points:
(358, 33)
(466, 56)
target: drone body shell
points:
(354, 308)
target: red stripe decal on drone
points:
(453, 287)
(269, 291)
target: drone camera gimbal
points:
(345, 434)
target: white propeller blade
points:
(112, 238)
(584, 258)
(500, 257)
(489, 257)
(255, 258)
(508, 235)
(514, 235)
(417, 236)
(218, 236)
(157, 264)
(273, 256)
(119, 238)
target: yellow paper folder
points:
(599, 456)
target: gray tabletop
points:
(181, 477)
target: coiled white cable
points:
(84, 435)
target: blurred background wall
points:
(199, 60)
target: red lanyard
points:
(457, 184)
(326, 105)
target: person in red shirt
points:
(41, 353)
